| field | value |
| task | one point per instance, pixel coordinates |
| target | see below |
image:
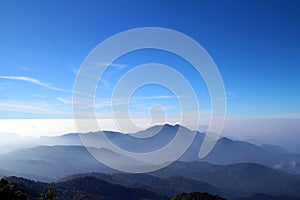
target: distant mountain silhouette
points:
(226, 151)
(237, 179)
(266, 197)
(273, 149)
(232, 168)
(167, 186)
(230, 181)
(98, 186)
(86, 188)
(47, 163)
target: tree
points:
(47, 193)
(10, 192)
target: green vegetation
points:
(84, 188)
(48, 193)
(10, 192)
(106, 187)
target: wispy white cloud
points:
(147, 107)
(95, 65)
(100, 103)
(37, 108)
(18, 107)
(34, 81)
(107, 103)
(91, 71)
(63, 100)
(116, 65)
(155, 97)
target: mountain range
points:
(226, 151)
(145, 186)
(232, 169)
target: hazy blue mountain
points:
(136, 186)
(50, 162)
(168, 186)
(230, 180)
(66, 139)
(227, 151)
(161, 135)
(243, 178)
(266, 197)
(273, 149)
(150, 139)
(254, 141)
(239, 176)
(87, 187)
(92, 186)
(184, 184)
(4, 173)
(53, 162)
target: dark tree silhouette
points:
(10, 192)
(47, 193)
(196, 196)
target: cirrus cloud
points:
(34, 81)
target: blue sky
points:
(255, 44)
